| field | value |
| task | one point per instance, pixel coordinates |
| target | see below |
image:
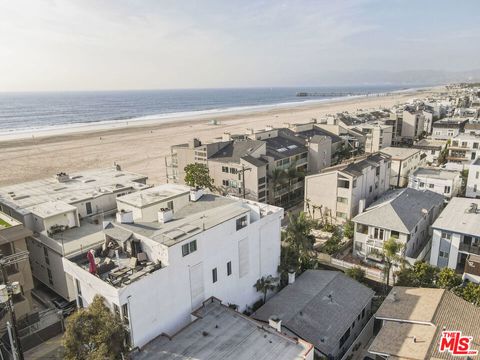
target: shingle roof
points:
(235, 150)
(258, 162)
(399, 210)
(306, 134)
(285, 145)
(306, 309)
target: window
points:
(241, 222)
(362, 229)
(170, 205)
(475, 188)
(354, 183)
(342, 200)
(446, 236)
(447, 190)
(229, 268)
(422, 184)
(370, 189)
(45, 252)
(116, 311)
(394, 234)
(233, 171)
(79, 288)
(261, 180)
(475, 145)
(477, 174)
(126, 316)
(88, 207)
(189, 248)
(378, 233)
(363, 313)
(225, 182)
(430, 186)
(377, 171)
(50, 277)
(443, 254)
(345, 337)
(214, 275)
(261, 194)
(225, 169)
(358, 246)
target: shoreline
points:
(142, 147)
(185, 117)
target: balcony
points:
(472, 249)
(375, 243)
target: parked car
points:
(67, 307)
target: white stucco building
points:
(456, 235)
(169, 249)
(404, 162)
(473, 181)
(65, 213)
(444, 182)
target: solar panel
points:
(292, 146)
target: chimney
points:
(165, 215)
(291, 277)
(361, 206)
(62, 177)
(125, 217)
(192, 144)
(275, 322)
(394, 296)
(196, 194)
(226, 136)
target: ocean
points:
(44, 110)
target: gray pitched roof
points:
(235, 150)
(399, 210)
(284, 145)
(306, 309)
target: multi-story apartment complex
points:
(170, 248)
(244, 165)
(412, 124)
(447, 128)
(431, 149)
(12, 241)
(464, 149)
(404, 162)
(456, 234)
(403, 214)
(342, 191)
(377, 136)
(441, 181)
(64, 213)
(473, 181)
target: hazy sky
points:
(140, 44)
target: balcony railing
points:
(472, 249)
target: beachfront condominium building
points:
(404, 162)
(377, 136)
(447, 128)
(403, 214)
(341, 192)
(12, 241)
(170, 248)
(266, 166)
(473, 180)
(456, 234)
(464, 149)
(441, 181)
(64, 212)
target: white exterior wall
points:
(401, 170)
(162, 301)
(444, 133)
(473, 182)
(150, 213)
(450, 246)
(436, 185)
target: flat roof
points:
(457, 217)
(222, 333)
(437, 173)
(77, 187)
(154, 195)
(398, 153)
(51, 208)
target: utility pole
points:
(243, 178)
(10, 290)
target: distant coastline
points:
(217, 114)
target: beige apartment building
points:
(12, 240)
(345, 190)
(246, 165)
(404, 162)
(377, 136)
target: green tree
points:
(298, 234)
(391, 248)
(293, 174)
(348, 229)
(197, 176)
(94, 333)
(447, 278)
(277, 177)
(356, 273)
(425, 274)
(266, 284)
(470, 293)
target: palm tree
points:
(266, 284)
(298, 234)
(276, 177)
(391, 248)
(292, 173)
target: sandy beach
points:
(141, 146)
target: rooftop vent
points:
(473, 209)
(125, 217)
(196, 194)
(62, 177)
(275, 322)
(165, 215)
